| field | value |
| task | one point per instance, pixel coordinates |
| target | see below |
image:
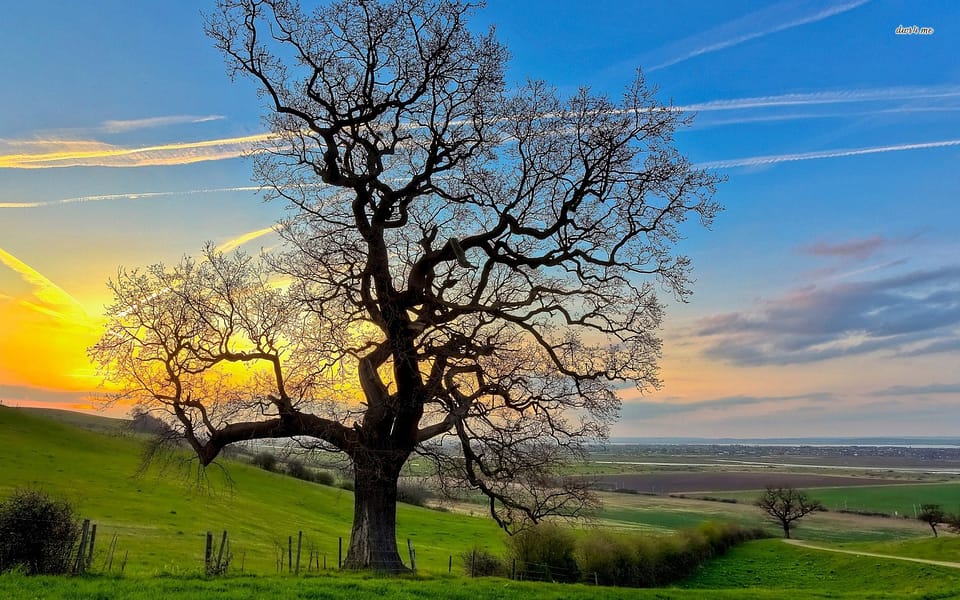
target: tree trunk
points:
(786, 530)
(373, 540)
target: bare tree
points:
(469, 274)
(932, 515)
(786, 505)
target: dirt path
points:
(939, 563)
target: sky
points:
(827, 294)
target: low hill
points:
(161, 516)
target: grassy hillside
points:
(161, 517)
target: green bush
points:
(545, 552)
(412, 493)
(37, 533)
(655, 561)
(480, 562)
(265, 460)
(324, 478)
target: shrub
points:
(480, 562)
(265, 460)
(412, 493)
(324, 477)
(296, 468)
(37, 533)
(545, 552)
(656, 561)
(608, 560)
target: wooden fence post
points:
(450, 564)
(208, 553)
(93, 539)
(289, 553)
(473, 564)
(413, 556)
(223, 544)
(299, 543)
(81, 554)
(340, 553)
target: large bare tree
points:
(470, 271)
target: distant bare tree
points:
(932, 515)
(785, 505)
(468, 267)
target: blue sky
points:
(828, 293)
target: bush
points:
(296, 468)
(480, 562)
(265, 460)
(412, 493)
(655, 561)
(324, 477)
(37, 533)
(545, 553)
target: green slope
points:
(161, 517)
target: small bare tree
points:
(932, 515)
(785, 504)
(469, 273)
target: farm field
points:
(722, 481)
(900, 500)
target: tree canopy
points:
(470, 271)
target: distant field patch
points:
(728, 481)
(901, 500)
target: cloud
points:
(120, 126)
(758, 24)
(646, 409)
(246, 237)
(756, 161)
(127, 196)
(829, 97)
(24, 395)
(916, 312)
(53, 300)
(920, 390)
(41, 154)
(859, 249)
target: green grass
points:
(659, 514)
(767, 569)
(944, 548)
(161, 518)
(773, 564)
(889, 499)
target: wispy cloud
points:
(890, 94)
(246, 237)
(121, 126)
(758, 24)
(648, 409)
(906, 314)
(756, 161)
(40, 154)
(127, 196)
(920, 390)
(860, 249)
(53, 300)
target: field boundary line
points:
(926, 561)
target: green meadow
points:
(899, 500)
(160, 519)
